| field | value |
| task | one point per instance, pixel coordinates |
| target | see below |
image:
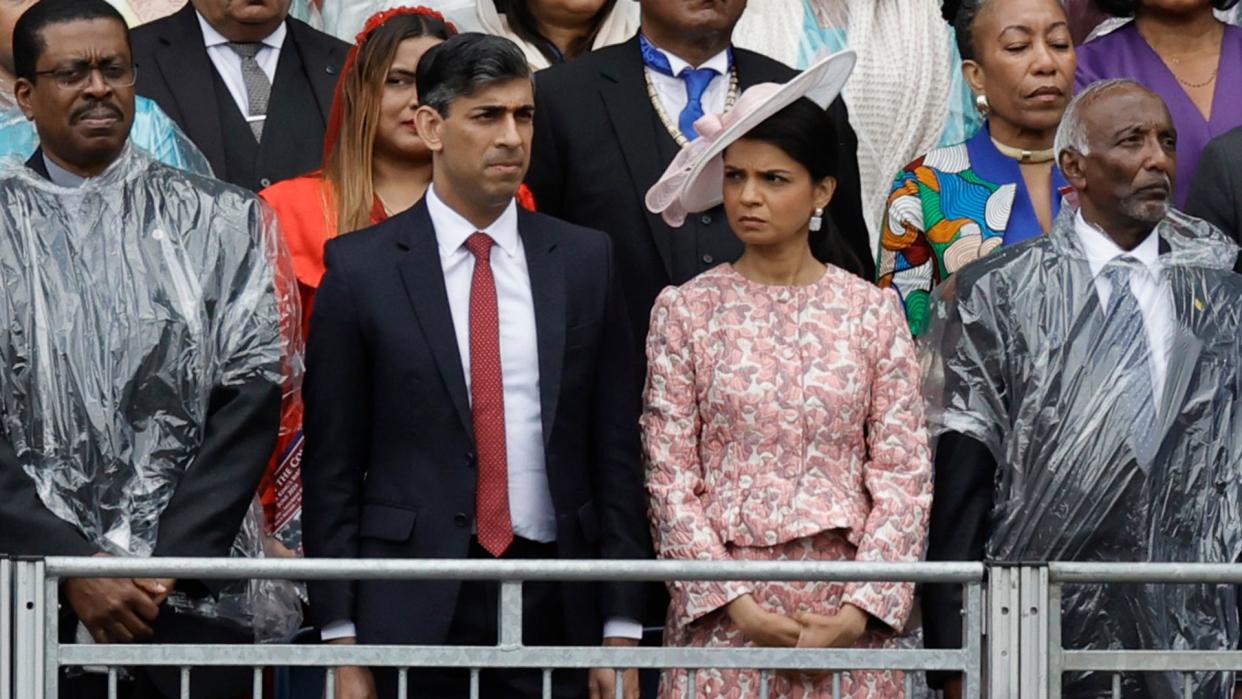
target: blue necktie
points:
(697, 81)
(1124, 337)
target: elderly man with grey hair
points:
(1084, 387)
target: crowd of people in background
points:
(814, 280)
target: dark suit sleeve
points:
(337, 395)
(545, 174)
(616, 454)
(27, 526)
(846, 206)
(964, 486)
(1212, 194)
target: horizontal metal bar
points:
(525, 657)
(1151, 660)
(558, 570)
(1206, 573)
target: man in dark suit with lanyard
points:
(468, 396)
(251, 86)
(611, 122)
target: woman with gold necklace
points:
(1181, 51)
(956, 204)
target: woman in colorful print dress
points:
(957, 204)
(782, 417)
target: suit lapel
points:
(424, 284)
(630, 112)
(547, 286)
(188, 73)
(321, 64)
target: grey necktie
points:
(258, 87)
(1125, 339)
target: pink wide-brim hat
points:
(694, 181)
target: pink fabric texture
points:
(777, 414)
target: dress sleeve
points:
(898, 471)
(674, 472)
(906, 261)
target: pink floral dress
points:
(783, 423)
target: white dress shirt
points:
(228, 63)
(530, 499)
(672, 90)
(1149, 286)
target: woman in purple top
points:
(1179, 50)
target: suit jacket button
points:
(461, 520)
(265, 182)
(706, 219)
(708, 259)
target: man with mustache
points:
(145, 330)
(152, 131)
(1084, 386)
(468, 395)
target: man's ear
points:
(23, 90)
(429, 121)
(1071, 163)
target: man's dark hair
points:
(28, 44)
(463, 64)
(1127, 8)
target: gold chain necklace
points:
(1193, 86)
(669, 124)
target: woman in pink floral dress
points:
(782, 416)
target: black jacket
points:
(175, 71)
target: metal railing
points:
(38, 663)
(1059, 660)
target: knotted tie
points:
(1124, 338)
(487, 403)
(697, 81)
(258, 87)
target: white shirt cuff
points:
(623, 627)
(338, 629)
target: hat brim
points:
(694, 181)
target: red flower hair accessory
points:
(375, 21)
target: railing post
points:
(1033, 643)
(28, 623)
(1054, 640)
(6, 628)
(50, 633)
(972, 643)
(1004, 632)
(510, 620)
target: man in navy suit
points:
(469, 394)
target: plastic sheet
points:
(125, 303)
(1015, 360)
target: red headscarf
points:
(374, 22)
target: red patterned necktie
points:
(487, 396)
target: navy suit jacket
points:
(390, 466)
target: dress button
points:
(265, 182)
(706, 219)
(461, 520)
(708, 259)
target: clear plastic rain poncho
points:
(1016, 360)
(125, 302)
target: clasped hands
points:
(803, 630)
(117, 610)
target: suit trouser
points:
(475, 624)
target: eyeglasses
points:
(78, 75)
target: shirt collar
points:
(1100, 249)
(718, 63)
(60, 176)
(452, 228)
(211, 37)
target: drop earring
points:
(817, 220)
(981, 104)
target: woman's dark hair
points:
(1128, 8)
(524, 24)
(964, 26)
(806, 133)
